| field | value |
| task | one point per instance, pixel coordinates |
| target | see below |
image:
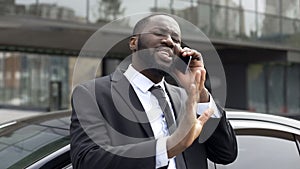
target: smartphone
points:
(182, 63)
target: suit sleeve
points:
(91, 139)
(221, 147)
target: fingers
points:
(205, 116)
(198, 79)
(202, 78)
(184, 79)
(196, 56)
(193, 97)
(191, 52)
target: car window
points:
(298, 143)
(261, 149)
(28, 143)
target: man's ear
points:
(133, 43)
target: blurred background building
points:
(258, 42)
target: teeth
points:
(166, 53)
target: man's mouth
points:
(165, 54)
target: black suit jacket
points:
(110, 129)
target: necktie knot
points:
(157, 91)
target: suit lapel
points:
(128, 102)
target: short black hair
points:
(140, 25)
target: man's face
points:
(159, 42)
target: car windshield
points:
(26, 142)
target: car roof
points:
(11, 125)
(244, 119)
(231, 114)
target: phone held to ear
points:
(182, 63)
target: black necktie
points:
(159, 93)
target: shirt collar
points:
(139, 80)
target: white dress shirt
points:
(141, 86)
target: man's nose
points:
(168, 41)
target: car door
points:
(265, 149)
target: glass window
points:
(207, 1)
(186, 9)
(277, 150)
(229, 3)
(233, 3)
(1, 77)
(38, 88)
(12, 78)
(233, 27)
(98, 9)
(256, 88)
(74, 11)
(219, 24)
(203, 15)
(7, 7)
(26, 79)
(268, 6)
(166, 6)
(293, 90)
(276, 89)
(107, 10)
(220, 2)
(248, 25)
(59, 72)
(298, 140)
(268, 28)
(248, 5)
(289, 26)
(297, 26)
(290, 8)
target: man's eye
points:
(158, 34)
(176, 40)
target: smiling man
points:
(137, 120)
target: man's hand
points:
(190, 126)
(196, 65)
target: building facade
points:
(258, 42)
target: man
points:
(118, 121)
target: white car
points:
(264, 142)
